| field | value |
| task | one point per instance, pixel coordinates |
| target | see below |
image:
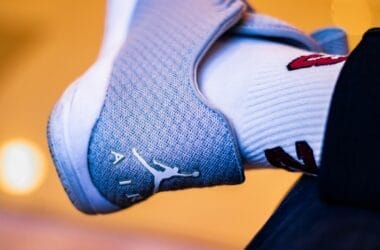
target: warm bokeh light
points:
(22, 167)
(352, 15)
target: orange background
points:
(45, 45)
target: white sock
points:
(268, 105)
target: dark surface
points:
(304, 221)
(350, 167)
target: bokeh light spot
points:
(22, 167)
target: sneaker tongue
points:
(259, 25)
(333, 40)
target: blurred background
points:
(45, 45)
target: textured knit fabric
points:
(153, 115)
(332, 40)
(269, 105)
(255, 24)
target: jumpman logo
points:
(159, 176)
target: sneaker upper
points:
(155, 132)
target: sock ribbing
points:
(268, 105)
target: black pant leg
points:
(304, 221)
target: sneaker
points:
(135, 123)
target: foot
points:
(136, 123)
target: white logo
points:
(118, 157)
(134, 197)
(159, 176)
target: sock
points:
(271, 105)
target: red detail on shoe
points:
(314, 60)
(279, 158)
